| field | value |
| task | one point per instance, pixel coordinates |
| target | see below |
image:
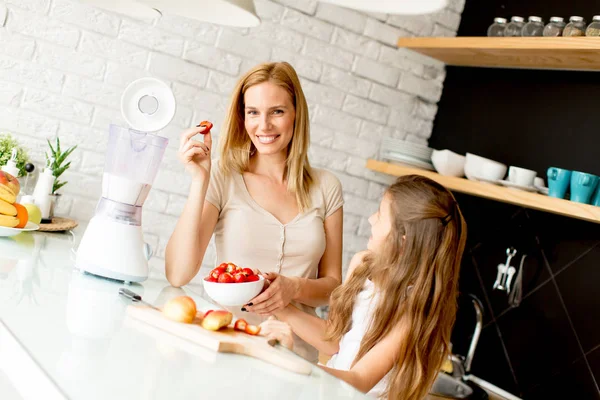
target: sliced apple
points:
(216, 320)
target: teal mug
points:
(596, 199)
(583, 186)
(558, 182)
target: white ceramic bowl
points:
(477, 167)
(448, 163)
(233, 294)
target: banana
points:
(7, 208)
(7, 195)
(8, 221)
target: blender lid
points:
(148, 105)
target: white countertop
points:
(66, 335)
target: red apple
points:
(226, 278)
(217, 320)
(208, 125)
(10, 182)
(180, 309)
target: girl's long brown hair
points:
(236, 146)
(416, 276)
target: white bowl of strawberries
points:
(231, 285)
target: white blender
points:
(113, 245)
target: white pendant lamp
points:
(131, 8)
(239, 13)
(406, 7)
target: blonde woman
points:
(269, 210)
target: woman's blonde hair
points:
(236, 146)
(416, 276)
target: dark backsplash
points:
(549, 346)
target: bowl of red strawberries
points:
(231, 285)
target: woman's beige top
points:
(249, 236)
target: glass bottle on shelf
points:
(555, 27)
(575, 27)
(534, 27)
(593, 29)
(514, 27)
(497, 28)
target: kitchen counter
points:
(65, 335)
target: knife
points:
(135, 298)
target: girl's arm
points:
(310, 328)
(187, 245)
(374, 365)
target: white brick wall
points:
(63, 66)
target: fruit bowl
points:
(233, 294)
(6, 232)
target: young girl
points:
(390, 322)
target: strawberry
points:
(208, 126)
(226, 278)
(252, 330)
(240, 325)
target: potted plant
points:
(7, 144)
(55, 160)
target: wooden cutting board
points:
(226, 340)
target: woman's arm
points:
(310, 328)
(187, 245)
(374, 365)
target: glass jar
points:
(514, 27)
(575, 27)
(534, 27)
(555, 27)
(497, 28)
(593, 29)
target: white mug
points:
(521, 176)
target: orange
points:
(22, 215)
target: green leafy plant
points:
(55, 161)
(7, 144)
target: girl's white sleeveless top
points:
(364, 308)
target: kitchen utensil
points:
(583, 186)
(558, 182)
(448, 163)
(521, 176)
(225, 340)
(135, 297)
(148, 105)
(113, 244)
(515, 296)
(406, 160)
(503, 270)
(477, 167)
(509, 275)
(233, 294)
(517, 186)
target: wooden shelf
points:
(564, 53)
(503, 194)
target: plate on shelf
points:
(517, 186)
(407, 160)
(542, 190)
(5, 231)
(484, 180)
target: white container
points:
(11, 165)
(481, 168)
(41, 193)
(233, 294)
(448, 163)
